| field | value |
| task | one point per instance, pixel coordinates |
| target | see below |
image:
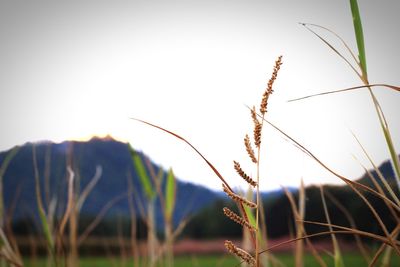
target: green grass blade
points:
(394, 155)
(10, 155)
(337, 258)
(46, 227)
(170, 194)
(143, 176)
(359, 36)
(252, 220)
(361, 51)
(3, 167)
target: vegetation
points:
(350, 259)
(252, 222)
(333, 211)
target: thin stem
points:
(258, 201)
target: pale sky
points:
(70, 70)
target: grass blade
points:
(143, 176)
(47, 231)
(352, 223)
(361, 53)
(378, 172)
(299, 250)
(4, 165)
(338, 259)
(299, 223)
(354, 185)
(395, 88)
(393, 154)
(359, 36)
(89, 187)
(241, 206)
(332, 47)
(170, 194)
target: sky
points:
(70, 70)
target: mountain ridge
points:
(84, 156)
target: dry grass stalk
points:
(257, 141)
(299, 220)
(240, 253)
(249, 149)
(242, 174)
(237, 219)
(238, 198)
(352, 223)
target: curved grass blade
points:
(352, 223)
(384, 248)
(89, 187)
(364, 78)
(241, 207)
(344, 179)
(354, 185)
(378, 172)
(100, 216)
(396, 88)
(380, 238)
(332, 47)
(355, 12)
(187, 142)
(299, 218)
(361, 51)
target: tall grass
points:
(8, 248)
(251, 221)
(255, 250)
(156, 186)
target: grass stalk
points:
(352, 184)
(338, 259)
(299, 250)
(363, 75)
(352, 223)
(3, 168)
(170, 200)
(133, 224)
(299, 219)
(47, 231)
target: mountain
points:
(116, 163)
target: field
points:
(350, 259)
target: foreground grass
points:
(350, 259)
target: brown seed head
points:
(236, 218)
(240, 253)
(238, 198)
(242, 174)
(257, 134)
(269, 90)
(249, 149)
(254, 115)
(257, 127)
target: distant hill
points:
(114, 158)
(279, 216)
